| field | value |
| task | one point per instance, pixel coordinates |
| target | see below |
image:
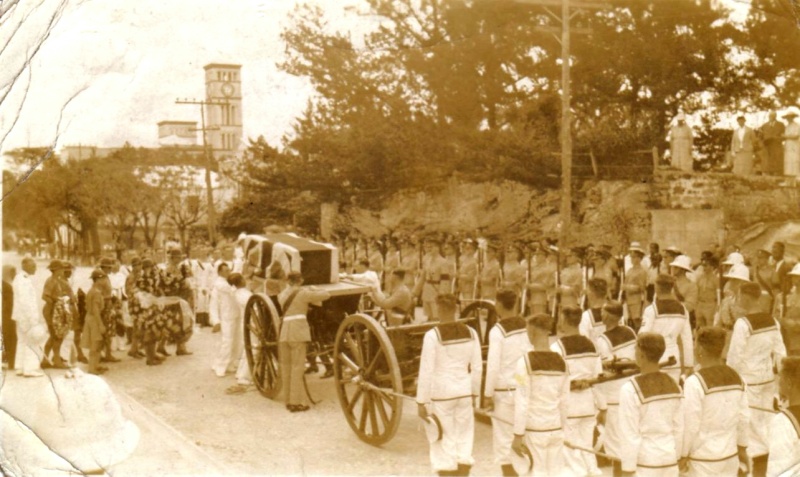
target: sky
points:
(126, 62)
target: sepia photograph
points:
(555, 238)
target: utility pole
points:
(209, 156)
(562, 35)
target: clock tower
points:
(224, 91)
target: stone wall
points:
(612, 212)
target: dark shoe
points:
(102, 368)
(312, 370)
(135, 355)
(82, 359)
(508, 470)
(297, 408)
(183, 352)
(140, 354)
(98, 372)
(153, 362)
(463, 469)
(60, 365)
(163, 351)
(111, 359)
(328, 374)
(45, 364)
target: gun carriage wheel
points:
(368, 380)
(261, 328)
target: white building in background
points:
(177, 133)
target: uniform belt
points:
(506, 389)
(444, 277)
(762, 383)
(665, 466)
(543, 430)
(293, 318)
(714, 460)
(451, 399)
(433, 282)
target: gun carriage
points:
(375, 365)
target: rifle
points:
(617, 369)
(557, 302)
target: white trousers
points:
(758, 432)
(659, 472)
(231, 346)
(547, 449)
(30, 351)
(713, 469)
(502, 432)
(611, 436)
(580, 431)
(458, 434)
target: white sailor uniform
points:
(670, 319)
(583, 362)
(508, 343)
(591, 325)
(716, 417)
(755, 349)
(651, 425)
(617, 343)
(784, 443)
(541, 408)
(450, 372)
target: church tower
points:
(224, 89)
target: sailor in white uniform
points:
(541, 401)
(650, 416)
(715, 412)
(508, 343)
(755, 349)
(668, 317)
(784, 428)
(586, 404)
(617, 343)
(591, 325)
(449, 380)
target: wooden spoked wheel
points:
(368, 379)
(261, 344)
(486, 316)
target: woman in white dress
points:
(791, 146)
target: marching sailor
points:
(617, 343)
(784, 429)
(449, 380)
(756, 347)
(591, 324)
(586, 404)
(715, 412)
(669, 318)
(508, 343)
(650, 417)
(540, 401)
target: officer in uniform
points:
(449, 269)
(391, 263)
(650, 415)
(449, 380)
(715, 412)
(635, 285)
(586, 405)
(541, 400)
(433, 267)
(409, 260)
(508, 343)
(572, 279)
(514, 272)
(541, 282)
(468, 270)
(756, 348)
(668, 317)
(490, 275)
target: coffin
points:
(318, 262)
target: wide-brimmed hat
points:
(673, 249)
(136, 261)
(795, 270)
(522, 463)
(433, 428)
(175, 253)
(792, 112)
(735, 258)
(97, 274)
(739, 271)
(636, 247)
(682, 261)
(106, 262)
